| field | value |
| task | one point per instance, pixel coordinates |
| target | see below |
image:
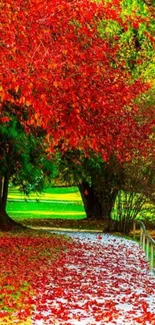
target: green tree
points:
(23, 157)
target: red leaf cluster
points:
(24, 261)
(54, 59)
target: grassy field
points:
(52, 203)
(49, 194)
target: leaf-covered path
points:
(100, 280)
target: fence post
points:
(134, 229)
(144, 241)
(147, 249)
(152, 259)
(141, 236)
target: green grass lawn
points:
(62, 203)
(51, 194)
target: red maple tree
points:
(54, 59)
(56, 65)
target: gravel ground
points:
(103, 280)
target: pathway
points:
(102, 280)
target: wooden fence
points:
(146, 242)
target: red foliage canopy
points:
(54, 60)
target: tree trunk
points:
(6, 223)
(98, 203)
(108, 198)
(91, 201)
(99, 197)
